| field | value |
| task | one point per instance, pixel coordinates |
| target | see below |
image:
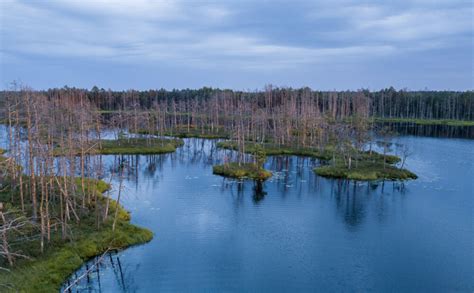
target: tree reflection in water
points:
(293, 180)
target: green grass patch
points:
(448, 122)
(131, 146)
(46, 271)
(275, 150)
(364, 171)
(365, 166)
(243, 170)
(140, 146)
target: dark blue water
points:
(302, 233)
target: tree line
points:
(53, 136)
(385, 103)
(49, 178)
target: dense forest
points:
(386, 103)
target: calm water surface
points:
(303, 233)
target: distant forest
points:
(386, 103)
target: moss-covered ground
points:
(243, 170)
(140, 146)
(45, 272)
(364, 171)
(131, 146)
(274, 150)
(365, 165)
(426, 121)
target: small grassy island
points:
(40, 253)
(127, 146)
(275, 150)
(364, 171)
(243, 170)
(139, 146)
(363, 165)
(251, 170)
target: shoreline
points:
(49, 272)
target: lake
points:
(302, 233)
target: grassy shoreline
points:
(366, 166)
(131, 146)
(139, 146)
(419, 121)
(244, 170)
(274, 150)
(448, 122)
(48, 271)
(366, 171)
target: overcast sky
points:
(241, 44)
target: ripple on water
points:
(301, 231)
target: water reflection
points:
(405, 128)
(258, 192)
(295, 232)
(89, 279)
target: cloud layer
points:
(269, 39)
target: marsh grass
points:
(140, 146)
(275, 150)
(366, 165)
(130, 146)
(243, 170)
(416, 121)
(45, 272)
(365, 171)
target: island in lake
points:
(69, 161)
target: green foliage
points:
(260, 155)
(374, 156)
(274, 150)
(449, 122)
(366, 165)
(122, 135)
(46, 271)
(132, 146)
(140, 146)
(365, 170)
(244, 170)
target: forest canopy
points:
(385, 103)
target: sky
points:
(237, 44)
